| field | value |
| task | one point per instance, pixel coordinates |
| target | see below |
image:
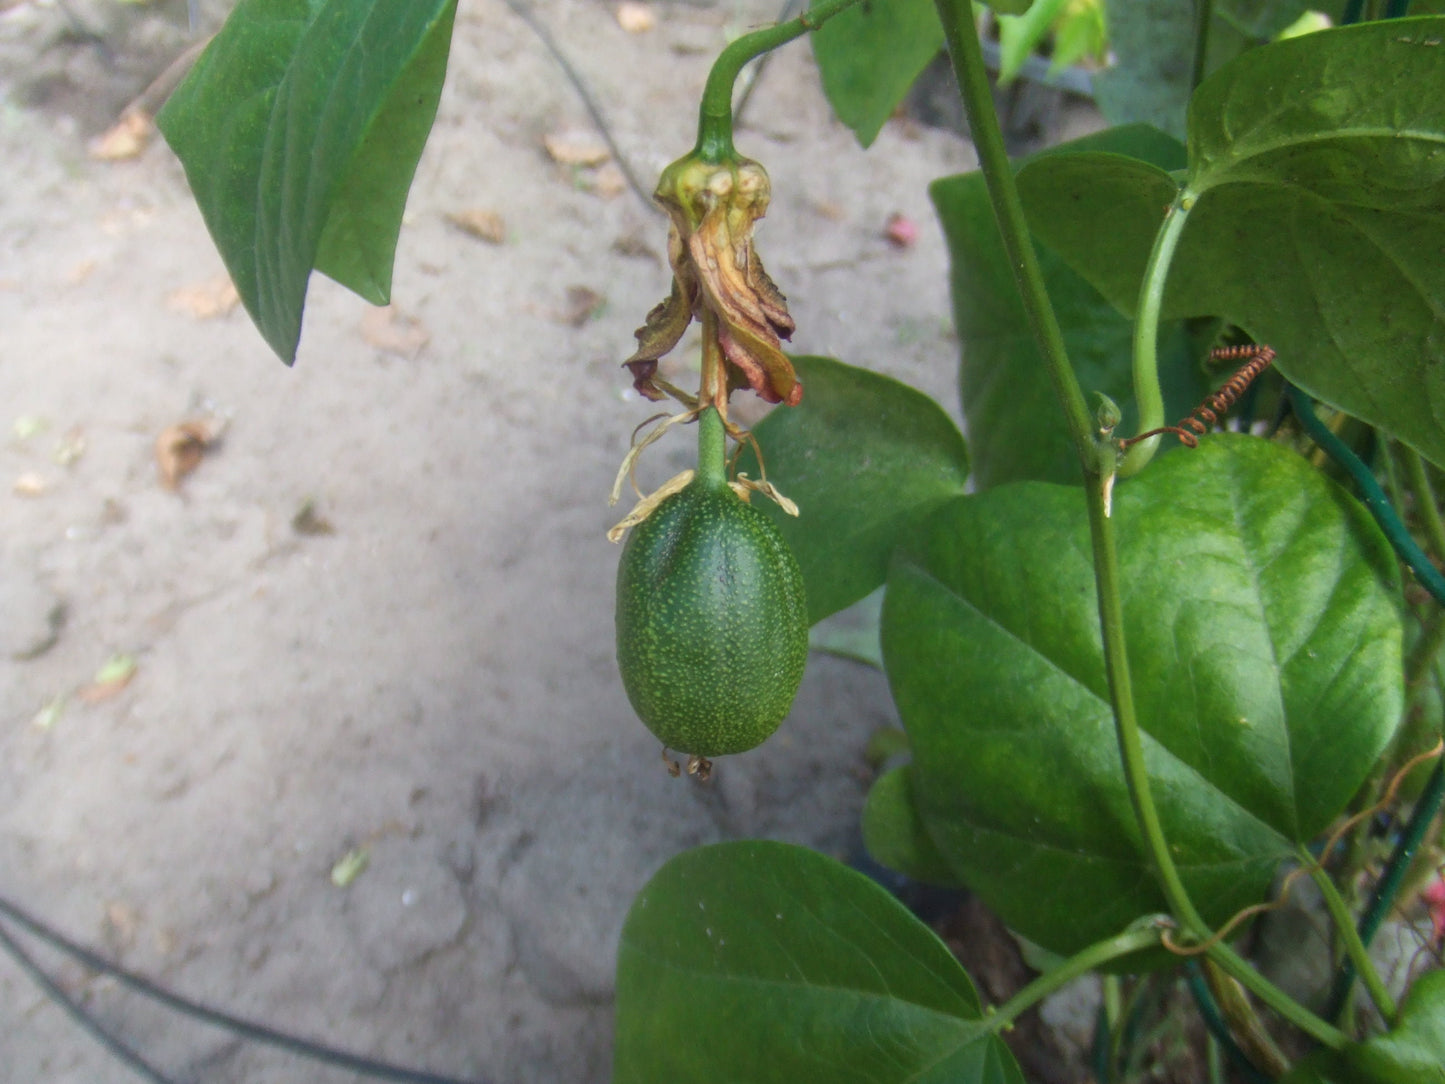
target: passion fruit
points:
(712, 622)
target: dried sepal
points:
(629, 461)
(647, 505)
(743, 486)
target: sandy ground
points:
(425, 668)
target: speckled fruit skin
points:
(712, 623)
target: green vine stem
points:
(715, 117)
(1135, 939)
(968, 67)
(1355, 949)
(1147, 392)
(1098, 463)
(963, 47)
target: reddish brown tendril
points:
(1216, 405)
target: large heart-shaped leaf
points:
(766, 962)
(1412, 1052)
(870, 55)
(864, 457)
(1015, 425)
(299, 129)
(1317, 183)
(1264, 643)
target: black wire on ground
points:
(246, 1029)
(524, 12)
(92, 1027)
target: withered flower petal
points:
(664, 327)
(713, 208)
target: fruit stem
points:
(711, 449)
(715, 120)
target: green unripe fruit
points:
(712, 623)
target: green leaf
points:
(1318, 181)
(896, 836)
(1100, 213)
(299, 129)
(1020, 35)
(765, 962)
(870, 55)
(1016, 427)
(1265, 649)
(864, 457)
(1412, 1052)
(1153, 44)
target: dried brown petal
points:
(664, 327)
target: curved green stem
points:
(1349, 936)
(1147, 392)
(1081, 963)
(715, 119)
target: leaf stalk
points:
(1147, 392)
(1349, 937)
(1135, 939)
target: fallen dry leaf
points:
(583, 303)
(110, 679)
(29, 484)
(70, 448)
(576, 148)
(80, 272)
(350, 866)
(607, 181)
(180, 447)
(635, 18)
(484, 225)
(205, 300)
(126, 138)
(120, 925)
(388, 328)
(308, 521)
(635, 246)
